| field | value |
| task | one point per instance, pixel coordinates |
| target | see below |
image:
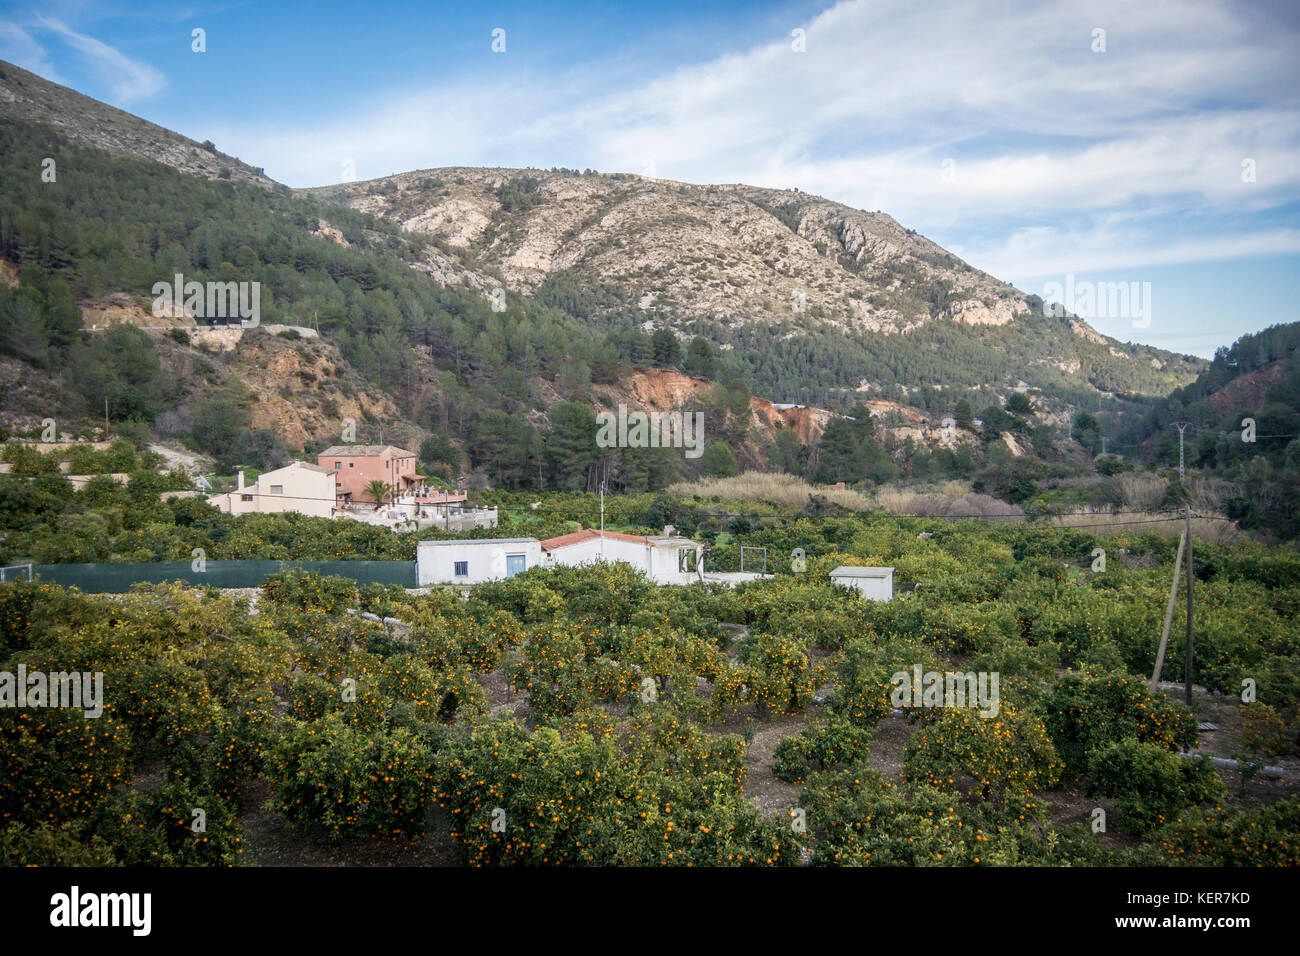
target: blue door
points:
(515, 564)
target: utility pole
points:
(1169, 613)
(602, 519)
(1187, 654)
(1103, 444)
(1182, 458)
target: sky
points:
(1056, 145)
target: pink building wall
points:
(365, 463)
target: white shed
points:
(664, 559)
(475, 561)
(875, 584)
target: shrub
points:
(1267, 836)
(349, 780)
(1007, 754)
(1084, 713)
(1150, 782)
(828, 744)
(1262, 729)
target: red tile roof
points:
(588, 534)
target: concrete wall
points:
(873, 589)
(659, 564)
(664, 566)
(590, 552)
(436, 560)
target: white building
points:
(664, 559)
(475, 561)
(299, 486)
(875, 584)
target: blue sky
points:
(1012, 133)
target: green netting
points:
(114, 578)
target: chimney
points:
(239, 480)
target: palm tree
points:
(378, 491)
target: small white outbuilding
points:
(874, 584)
(664, 559)
(473, 561)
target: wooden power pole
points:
(1169, 613)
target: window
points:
(339, 464)
(245, 497)
(350, 464)
(462, 569)
(277, 489)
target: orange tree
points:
(864, 676)
(1003, 756)
(781, 678)
(1152, 783)
(350, 780)
(1264, 836)
(564, 795)
(859, 819)
(828, 742)
(58, 764)
(554, 672)
(309, 591)
(1084, 713)
(43, 844)
(475, 642)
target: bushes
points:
(1007, 755)
(1267, 836)
(1084, 714)
(1263, 730)
(827, 744)
(333, 595)
(348, 780)
(1152, 783)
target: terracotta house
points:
(355, 466)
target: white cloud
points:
(130, 80)
(1042, 129)
(20, 47)
(1048, 252)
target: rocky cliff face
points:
(733, 253)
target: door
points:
(515, 564)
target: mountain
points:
(463, 307)
(728, 253)
(1244, 429)
(28, 98)
(856, 297)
